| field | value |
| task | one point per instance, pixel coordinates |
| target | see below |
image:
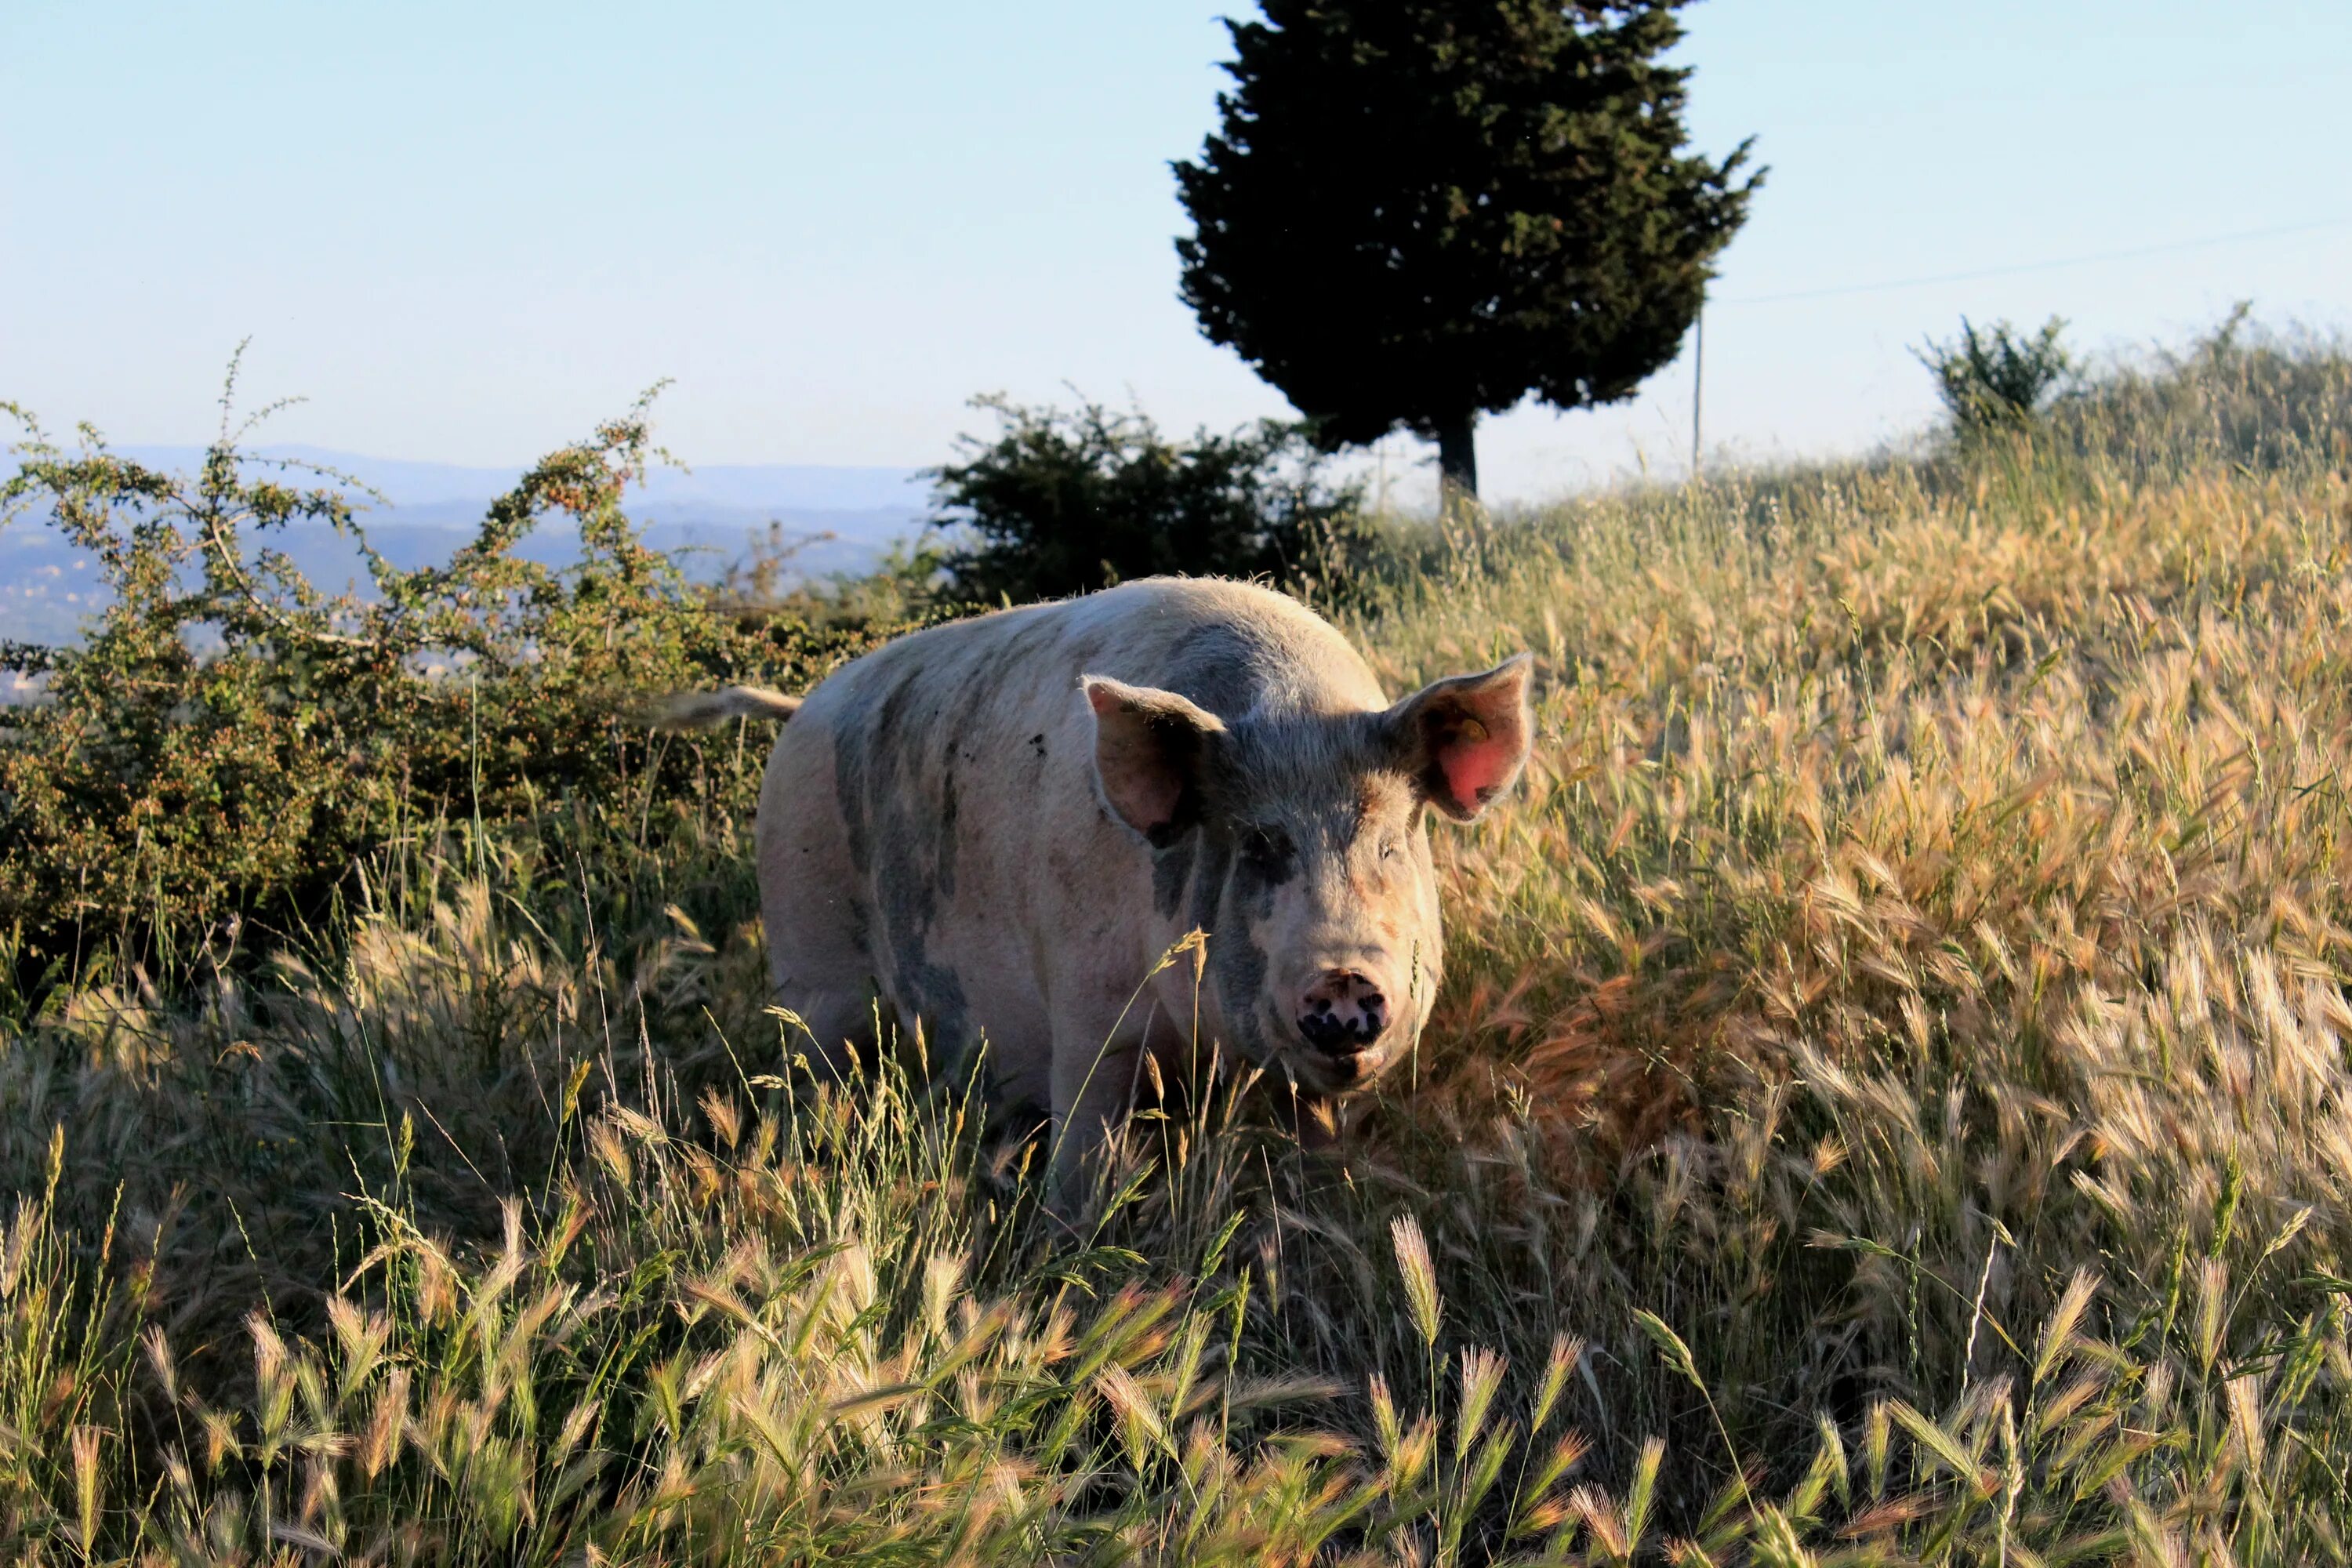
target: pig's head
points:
(1299, 842)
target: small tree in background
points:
(2000, 378)
(1063, 502)
(1418, 211)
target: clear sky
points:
(465, 231)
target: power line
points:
(2017, 268)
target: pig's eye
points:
(1391, 847)
(1266, 849)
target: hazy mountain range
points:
(714, 516)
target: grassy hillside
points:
(1889, 1103)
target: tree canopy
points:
(1418, 211)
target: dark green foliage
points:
(2000, 378)
(1063, 502)
(230, 743)
(1420, 210)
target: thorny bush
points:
(231, 744)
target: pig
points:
(1000, 825)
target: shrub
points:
(1061, 502)
(2000, 378)
(230, 742)
(2270, 400)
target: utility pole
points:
(1698, 377)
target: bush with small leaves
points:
(229, 743)
(1999, 378)
(1065, 501)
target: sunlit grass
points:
(1889, 1103)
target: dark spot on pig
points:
(1268, 860)
(1221, 667)
(1216, 860)
(1241, 974)
(1037, 744)
(947, 837)
(852, 751)
(1171, 868)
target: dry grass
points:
(1889, 1104)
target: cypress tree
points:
(1418, 211)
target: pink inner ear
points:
(1136, 777)
(1476, 762)
(1147, 797)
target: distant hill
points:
(711, 517)
(796, 487)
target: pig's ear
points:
(1150, 752)
(1464, 738)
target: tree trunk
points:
(1457, 459)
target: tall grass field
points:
(1889, 1102)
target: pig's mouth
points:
(1331, 1066)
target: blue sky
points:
(466, 231)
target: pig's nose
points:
(1342, 1012)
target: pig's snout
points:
(1342, 1013)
